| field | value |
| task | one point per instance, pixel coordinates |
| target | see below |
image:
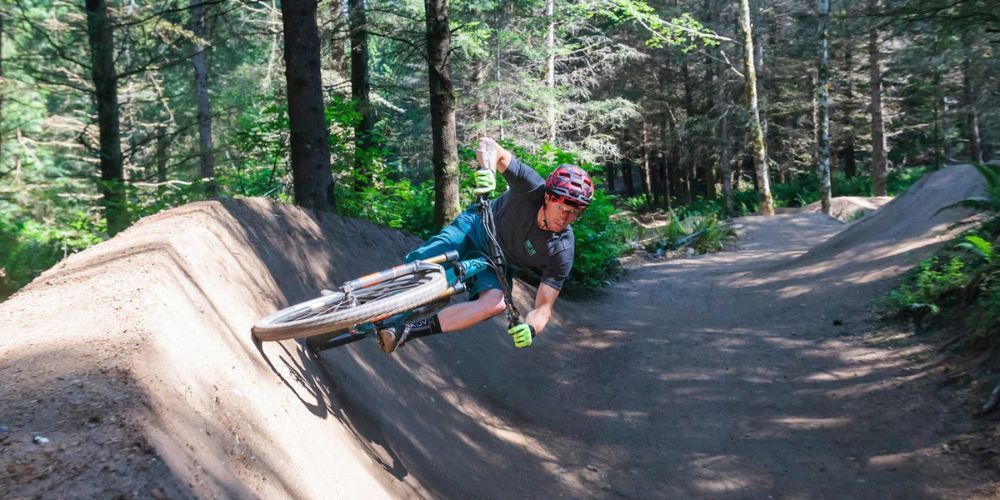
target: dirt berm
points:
(129, 370)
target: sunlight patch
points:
(806, 423)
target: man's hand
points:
(522, 334)
(485, 182)
(486, 153)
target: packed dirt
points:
(129, 371)
(850, 208)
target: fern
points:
(978, 246)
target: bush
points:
(933, 281)
(701, 233)
(399, 204)
(27, 247)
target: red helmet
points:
(570, 185)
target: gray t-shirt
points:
(525, 244)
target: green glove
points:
(522, 333)
(486, 182)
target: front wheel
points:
(339, 311)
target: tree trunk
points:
(687, 170)
(940, 129)
(972, 116)
(550, 68)
(664, 174)
(101, 40)
(757, 133)
(443, 102)
(162, 157)
(760, 30)
(674, 189)
(725, 155)
(360, 86)
(2, 89)
(878, 127)
(626, 167)
(610, 173)
(338, 56)
(311, 176)
(823, 90)
(647, 184)
(850, 162)
(200, 62)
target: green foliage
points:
(684, 30)
(933, 281)
(399, 204)
(804, 189)
(977, 245)
(701, 233)
(27, 247)
(637, 204)
(713, 234)
(965, 286)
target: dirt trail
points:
(722, 376)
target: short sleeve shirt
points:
(525, 244)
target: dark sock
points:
(425, 327)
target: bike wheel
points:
(337, 311)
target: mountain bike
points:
(359, 307)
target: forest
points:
(114, 110)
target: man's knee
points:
(492, 301)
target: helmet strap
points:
(541, 212)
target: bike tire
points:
(382, 300)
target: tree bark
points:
(338, 56)
(360, 88)
(725, 155)
(550, 68)
(162, 157)
(311, 175)
(647, 183)
(101, 41)
(972, 116)
(940, 118)
(626, 167)
(878, 127)
(443, 102)
(688, 167)
(760, 30)
(850, 161)
(757, 133)
(823, 91)
(200, 62)
(3, 85)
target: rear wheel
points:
(337, 311)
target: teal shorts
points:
(466, 236)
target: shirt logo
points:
(528, 247)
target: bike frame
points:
(457, 273)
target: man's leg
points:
(455, 317)
(461, 316)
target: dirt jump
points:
(129, 370)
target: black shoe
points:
(391, 337)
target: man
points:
(533, 227)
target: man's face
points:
(558, 214)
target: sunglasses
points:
(572, 206)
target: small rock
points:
(39, 439)
(4, 429)
(838, 322)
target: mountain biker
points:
(533, 227)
